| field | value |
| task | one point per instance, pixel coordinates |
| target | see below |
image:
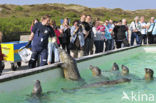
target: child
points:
(101, 28)
(1, 55)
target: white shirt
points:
(143, 30)
(134, 26)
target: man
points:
(121, 34)
(39, 38)
(111, 26)
(91, 35)
(143, 30)
(151, 27)
(135, 31)
(85, 28)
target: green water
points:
(105, 94)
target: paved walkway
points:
(8, 70)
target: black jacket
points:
(120, 32)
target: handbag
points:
(125, 42)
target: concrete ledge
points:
(104, 53)
(28, 72)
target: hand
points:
(135, 30)
(103, 33)
(53, 39)
(28, 44)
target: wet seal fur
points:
(125, 70)
(37, 89)
(115, 67)
(96, 71)
(149, 74)
(98, 84)
(69, 66)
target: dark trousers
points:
(118, 44)
(135, 36)
(1, 67)
(99, 44)
(91, 45)
(150, 38)
(35, 55)
(66, 46)
(143, 38)
(108, 45)
(86, 47)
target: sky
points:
(124, 4)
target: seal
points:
(69, 66)
(125, 70)
(99, 84)
(115, 67)
(109, 82)
(95, 70)
(149, 74)
(37, 89)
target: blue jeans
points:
(108, 45)
(52, 48)
(135, 36)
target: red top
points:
(101, 28)
(1, 55)
(57, 32)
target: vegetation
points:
(15, 18)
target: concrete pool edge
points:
(20, 74)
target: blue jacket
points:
(107, 32)
(79, 34)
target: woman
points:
(99, 32)
(51, 46)
(33, 23)
(77, 40)
(1, 55)
(65, 35)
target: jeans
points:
(99, 46)
(133, 36)
(108, 45)
(51, 49)
(143, 38)
(113, 44)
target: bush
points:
(19, 8)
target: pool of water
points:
(138, 90)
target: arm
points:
(53, 35)
(30, 39)
(148, 25)
(85, 30)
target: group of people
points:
(80, 37)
